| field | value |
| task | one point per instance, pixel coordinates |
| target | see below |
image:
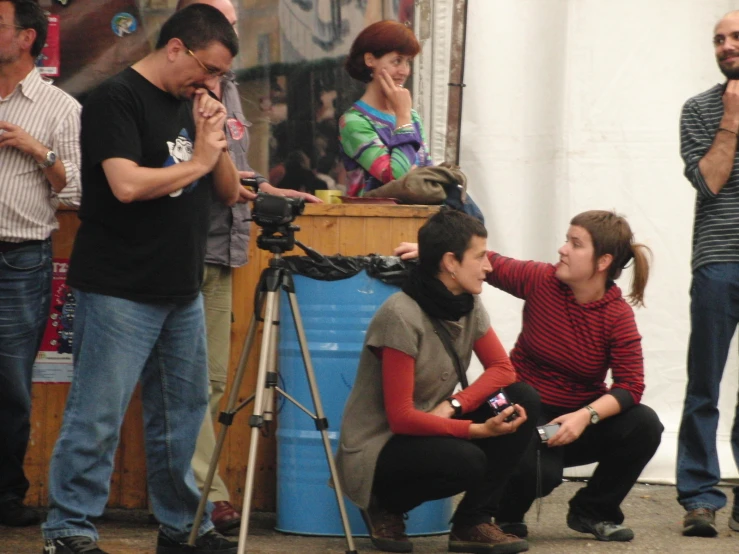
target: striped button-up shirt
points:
(716, 227)
(27, 201)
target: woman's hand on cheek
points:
(572, 426)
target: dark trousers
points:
(25, 295)
(412, 470)
(714, 316)
(621, 445)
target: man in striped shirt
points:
(39, 167)
(708, 136)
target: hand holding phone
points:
(499, 402)
(546, 432)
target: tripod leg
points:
(256, 421)
(321, 421)
(228, 413)
(269, 393)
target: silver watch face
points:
(594, 418)
(50, 158)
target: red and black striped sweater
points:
(565, 349)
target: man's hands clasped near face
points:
(210, 137)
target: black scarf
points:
(435, 299)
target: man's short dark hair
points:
(447, 231)
(29, 15)
(197, 26)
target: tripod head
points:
(275, 214)
(278, 239)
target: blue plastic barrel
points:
(335, 316)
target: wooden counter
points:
(348, 229)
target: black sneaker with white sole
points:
(602, 530)
(734, 517)
(72, 545)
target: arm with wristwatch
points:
(44, 156)
(574, 423)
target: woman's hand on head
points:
(497, 426)
(399, 98)
(571, 427)
(406, 250)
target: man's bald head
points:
(223, 6)
(726, 44)
(730, 16)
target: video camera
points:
(272, 211)
(275, 214)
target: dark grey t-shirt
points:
(716, 226)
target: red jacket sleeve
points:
(499, 372)
(398, 373)
(514, 276)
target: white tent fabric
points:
(573, 105)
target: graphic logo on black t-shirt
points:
(180, 151)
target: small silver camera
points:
(546, 432)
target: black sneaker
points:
(700, 522)
(72, 545)
(14, 513)
(517, 528)
(211, 542)
(602, 530)
(734, 519)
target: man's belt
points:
(9, 246)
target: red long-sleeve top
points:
(565, 349)
(398, 369)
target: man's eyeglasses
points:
(209, 71)
(11, 25)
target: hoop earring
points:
(454, 275)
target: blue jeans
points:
(25, 295)
(118, 342)
(714, 315)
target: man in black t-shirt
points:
(153, 150)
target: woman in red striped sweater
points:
(577, 326)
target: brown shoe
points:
(700, 522)
(386, 530)
(225, 517)
(484, 538)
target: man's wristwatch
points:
(456, 405)
(594, 417)
(49, 160)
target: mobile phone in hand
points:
(546, 432)
(499, 402)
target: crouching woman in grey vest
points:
(406, 436)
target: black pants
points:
(622, 445)
(412, 470)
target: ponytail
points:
(641, 255)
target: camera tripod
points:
(273, 278)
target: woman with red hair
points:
(381, 135)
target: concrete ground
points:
(651, 511)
